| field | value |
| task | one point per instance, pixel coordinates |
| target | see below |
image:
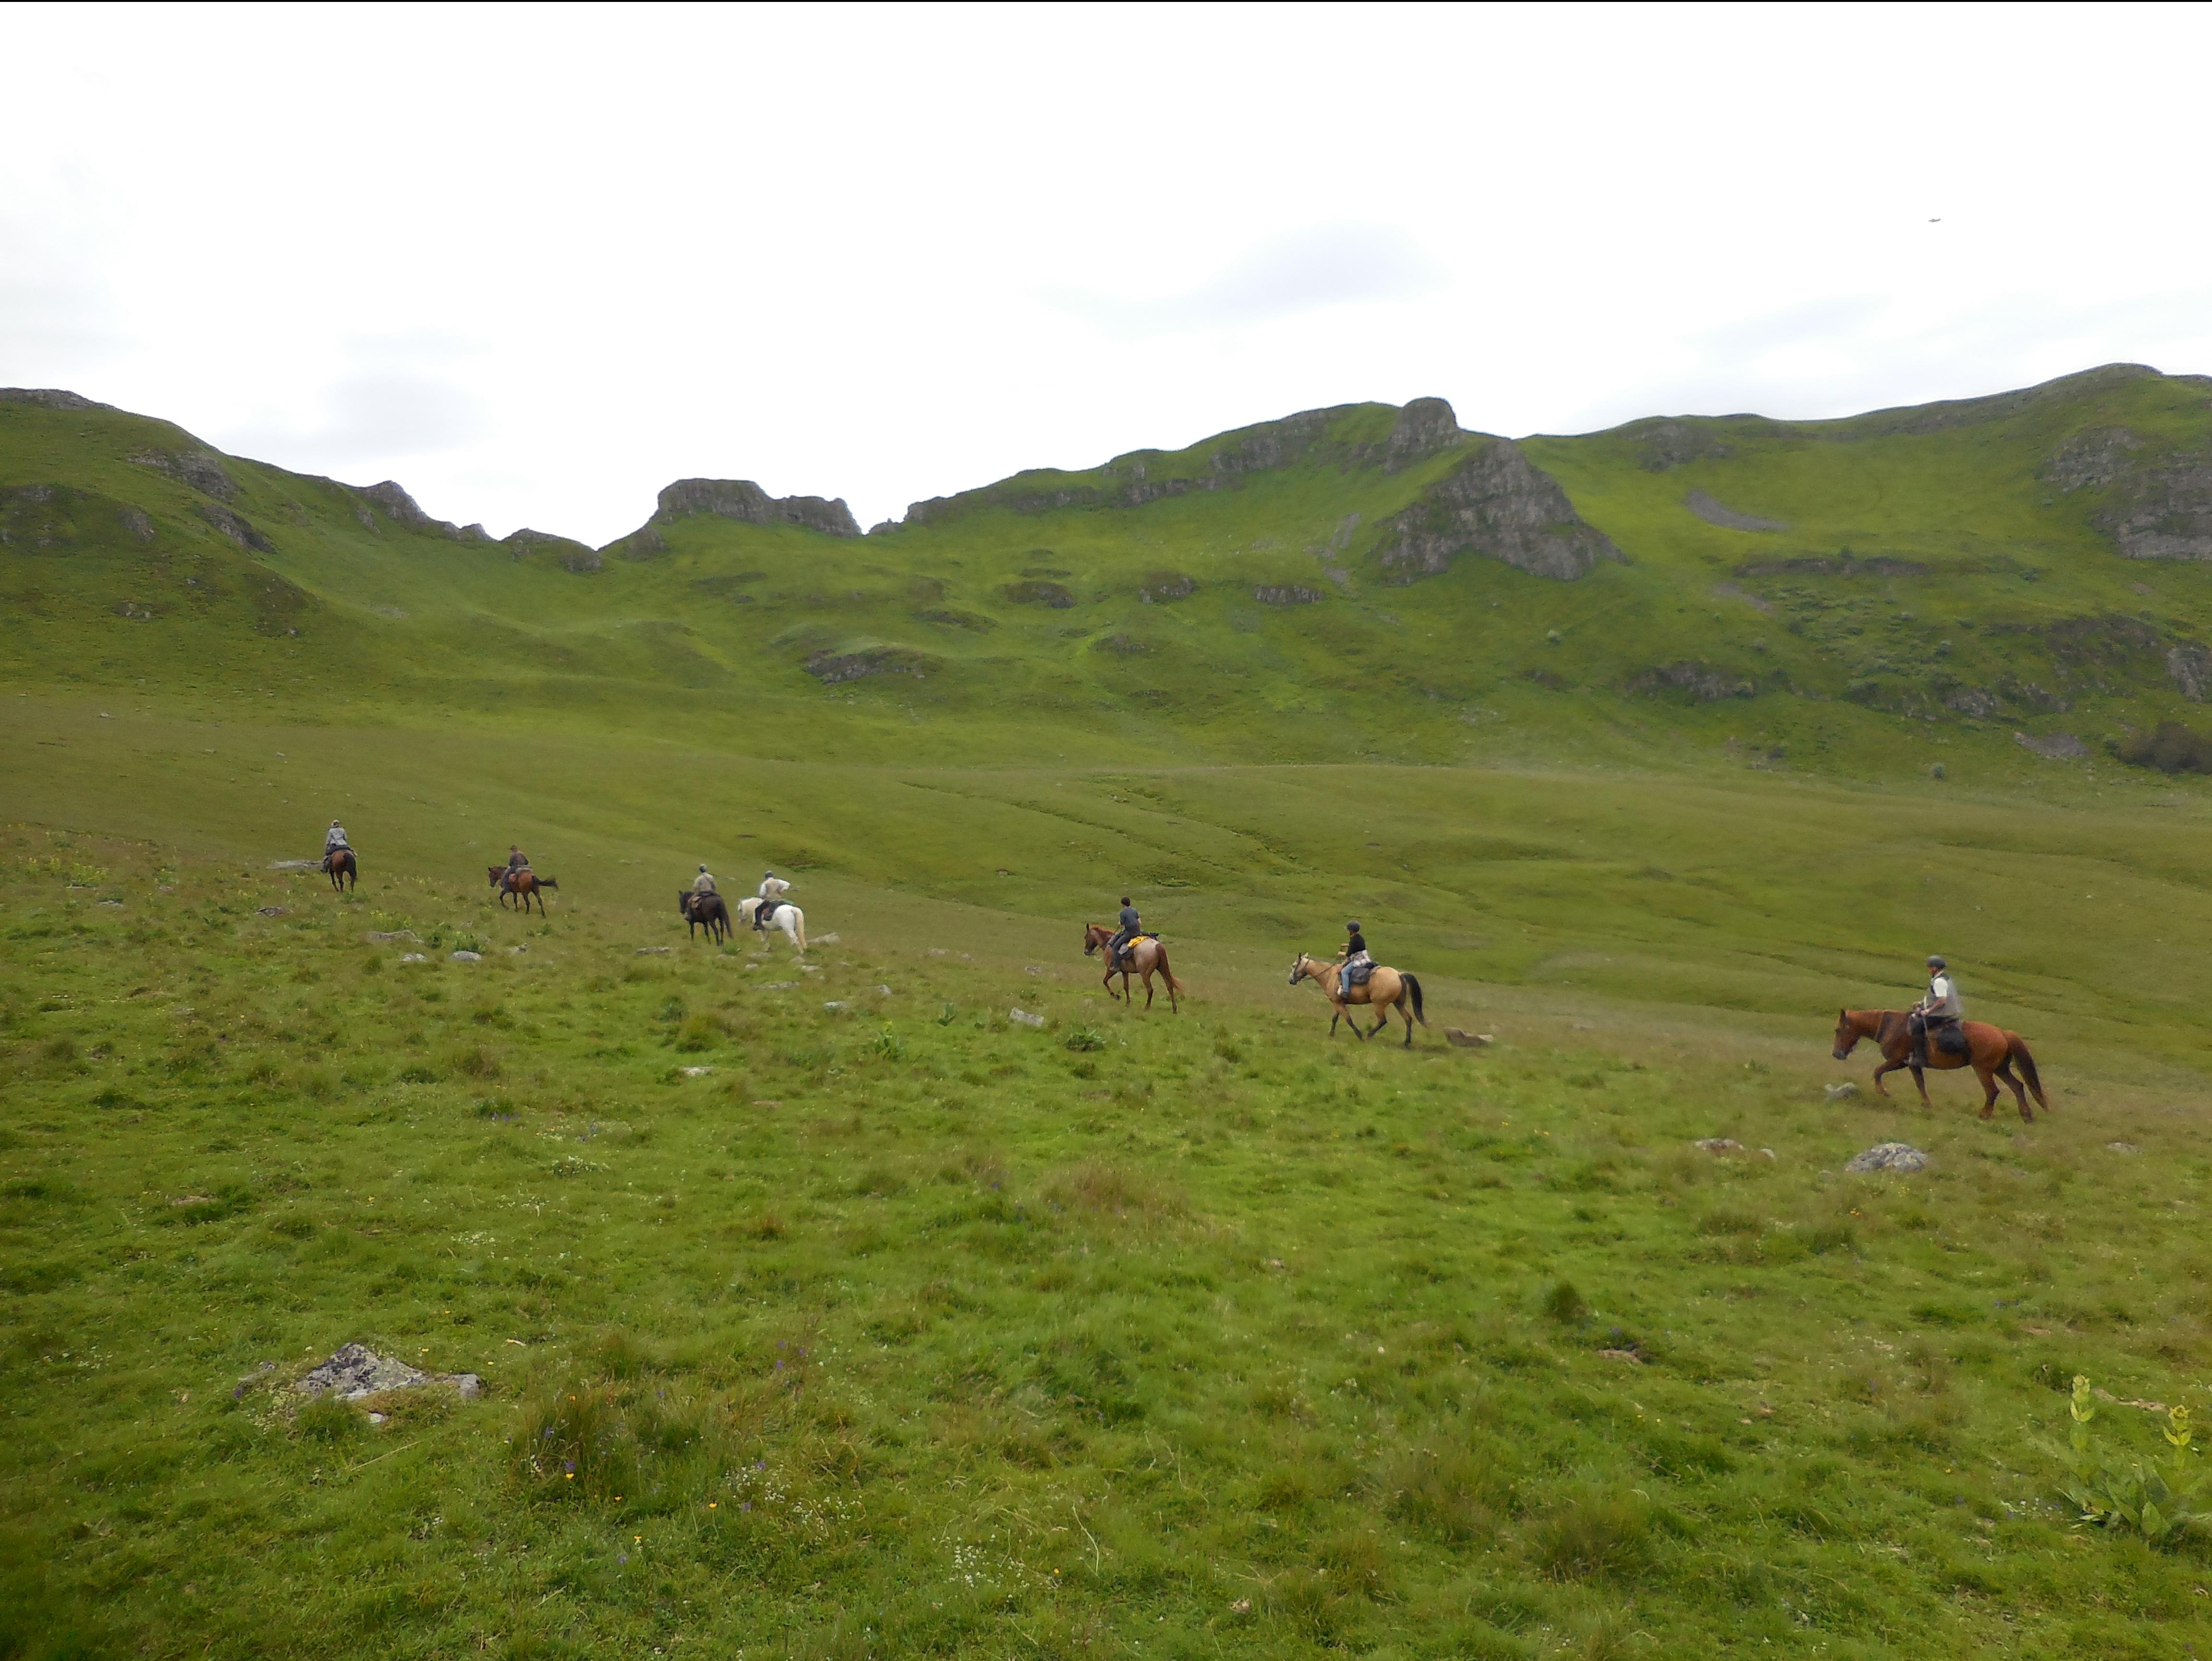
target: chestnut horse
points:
(708, 911)
(521, 886)
(1141, 957)
(1386, 989)
(339, 864)
(1990, 1051)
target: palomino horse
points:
(1990, 1051)
(1386, 989)
(520, 886)
(339, 864)
(1142, 956)
(787, 917)
(708, 911)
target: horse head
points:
(1301, 968)
(1847, 1034)
(1093, 938)
(494, 873)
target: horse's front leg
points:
(1920, 1079)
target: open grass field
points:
(823, 1309)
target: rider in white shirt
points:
(773, 888)
(703, 883)
(335, 837)
(1939, 1009)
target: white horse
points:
(788, 917)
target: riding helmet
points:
(1937, 962)
(702, 868)
(1352, 927)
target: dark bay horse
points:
(1991, 1052)
(520, 886)
(708, 911)
(338, 863)
(1386, 989)
(1143, 957)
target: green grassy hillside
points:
(906, 1328)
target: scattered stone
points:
(936, 951)
(883, 991)
(778, 986)
(695, 1072)
(118, 904)
(297, 864)
(810, 969)
(1718, 1144)
(655, 950)
(764, 1104)
(414, 956)
(192, 1199)
(468, 957)
(516, 950)
(1888, 1156)
(355, 1371)
(2056, 746)
(1024, 1018)
(1467, 1040)
(1031, 969)
(275, 911)
(1582, 1026)
(827, 939)
(2123, 1148)
(376, 1418)
(836, 1003)
(1839, 1093)
(1767, 1152)
(380, 939)
(1627, 1355)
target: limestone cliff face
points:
(739, 499)
(1499, 504)
(2154, 504)
(395, 504)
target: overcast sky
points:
(536, 262)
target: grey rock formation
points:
(883, 527)
(2054, 747)
(236, 527)
(1288, 593)
(403, 509)
(465, 956)
(1424, 428)
(1668, 444)
(1498, 504)
(572, 555)
(355, 1371)
(51, 397)
(200, 470)
(1036, 592)
(741, 500)
(1162, 586)
(831, 667)
(140, 527)
(1888, 1156)
(2165, 512)
(2092, 459)
(2190, 667)
(1705, 682)
(1727, 517)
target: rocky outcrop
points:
(2189, 665)
(2052, 747)
(1288, 593)
(2092, 459)
(831, 667)
(1500, 504)
(741, 500)
(1664, 444)
(1036, 592)
(199, 470)
(236, 527)
(2153, 506)
(572, 555)
(51, 397)
(1164, 586)
(1703, 682)
(402, 509)
(1727, 517)
(1424, 428)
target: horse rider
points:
(1357, 965)
(1938, 1012)
(516, 859)
(1132, 926)
(772, 889)
(703, 883)
(334, 839)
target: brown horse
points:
(1990, 1051)
(708, 911)
(1142, 956)
(1386, 989)
(339, 864)
(520, 886)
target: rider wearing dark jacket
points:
(1130, 929)
(1357, 965)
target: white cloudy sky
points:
(535, 262)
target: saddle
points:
(765, 913)
(1357, 974)
(1944, 1037)
(1130, 945)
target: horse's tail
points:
(1174, 985)
(1414, 987)
(547, 882)
(2016, 1050)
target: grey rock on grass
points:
(1888, 1156)
(468, 957)
(1839, 1093)
(355, 1371)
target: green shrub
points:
(1593, 1537)
(1564, 1303)
(2170, 747)
(1085, 1037)
(2157, 1502)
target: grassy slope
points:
(908, 1331)
(1608, 880)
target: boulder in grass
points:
(355, 1371)
(1718, 1145)
(1888, 1156)
(1842, 1092)
(468, 957)
(1468, 1040)
(1024, 1018)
